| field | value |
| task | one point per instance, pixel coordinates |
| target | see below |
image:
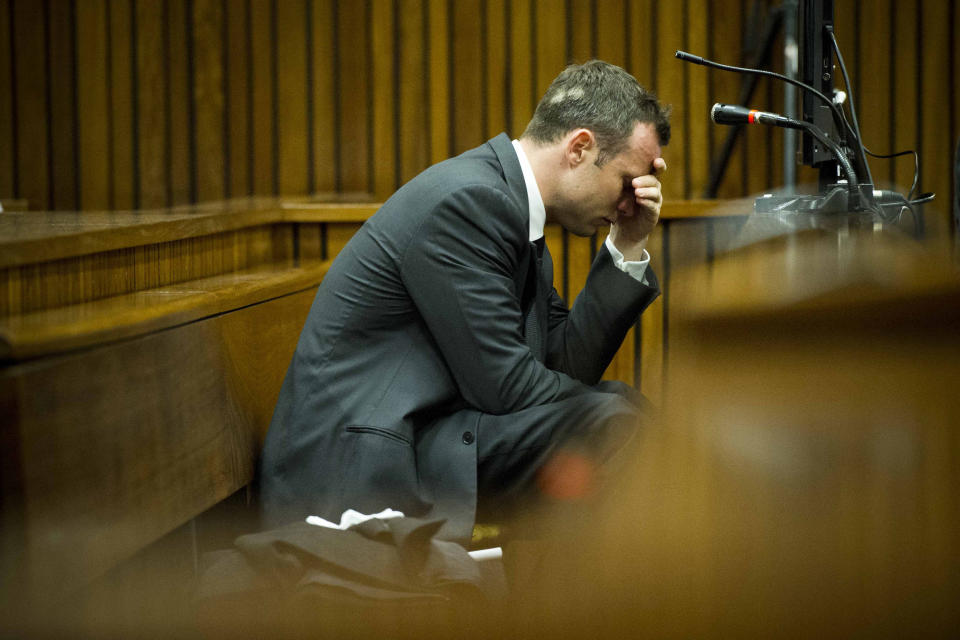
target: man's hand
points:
(636, 221)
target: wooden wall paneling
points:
(438, 68)
(651, 326)
(122, 161)
(774, 100)
(936, 151)
(354, 67)
(641, 41)
(310, 241)
(582, 34)
(7, 124)
(611, 24)
(238, 97)
(31, 78)
(671, 88)
(338, 234)
(498, 69)
(292, 130)
(955, 117)
(151, 104)
(551, 43)
(412, 123)
(522, 70)
(180, 161)
(467, 97)
(209, 99)
(723, 45)
(907, 97)
(383, 87)
(263, 118)
(755, 138)
(93, 109)
(688, 250)
(61, 26)
(323, 98)
(699, 99)
(872, 99)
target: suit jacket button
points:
(467, 437)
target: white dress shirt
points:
(538, 218)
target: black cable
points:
(853, 110)
(839, 119)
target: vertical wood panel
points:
(671, 78)
(92, 105)
(262, 118)
(384, 101)
(438, 69)
(497, 70)
(467, 100)
(698, 99)
(61, 23)
(354, 96)
(121, 104)
(651, 327)
(209, 99)
(611, 37)
(411, 90)
(642, 55)
(551, 43)
(873, 96)
(33, 156)
(323, 96)
(7, 124)
(237, 96)
(936, 150)
(906, 133)
(152, 106)
(725, 87)
(582, 31)
(292, 96)
(521, 66)
(180, 163)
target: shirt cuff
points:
(636, 269)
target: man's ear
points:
(581, 145)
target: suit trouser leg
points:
(516, 451)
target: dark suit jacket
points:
(416, 330)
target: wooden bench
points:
(142, 353)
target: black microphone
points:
(735, 114)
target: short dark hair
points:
(601, 97)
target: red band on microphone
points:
(752, 118)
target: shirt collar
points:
(538, 213)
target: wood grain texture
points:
(31, 86)
(167, 427)
(152, 107)
(292, 97)
(180, 160)
(391, 86)
(93, 106)
(8, 126)
(62, 51)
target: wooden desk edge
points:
(121, 317)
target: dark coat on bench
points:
(417, 331)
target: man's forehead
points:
(642, 149)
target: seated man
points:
(438, 365)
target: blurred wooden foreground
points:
(803, 475)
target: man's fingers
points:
(659, 166)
